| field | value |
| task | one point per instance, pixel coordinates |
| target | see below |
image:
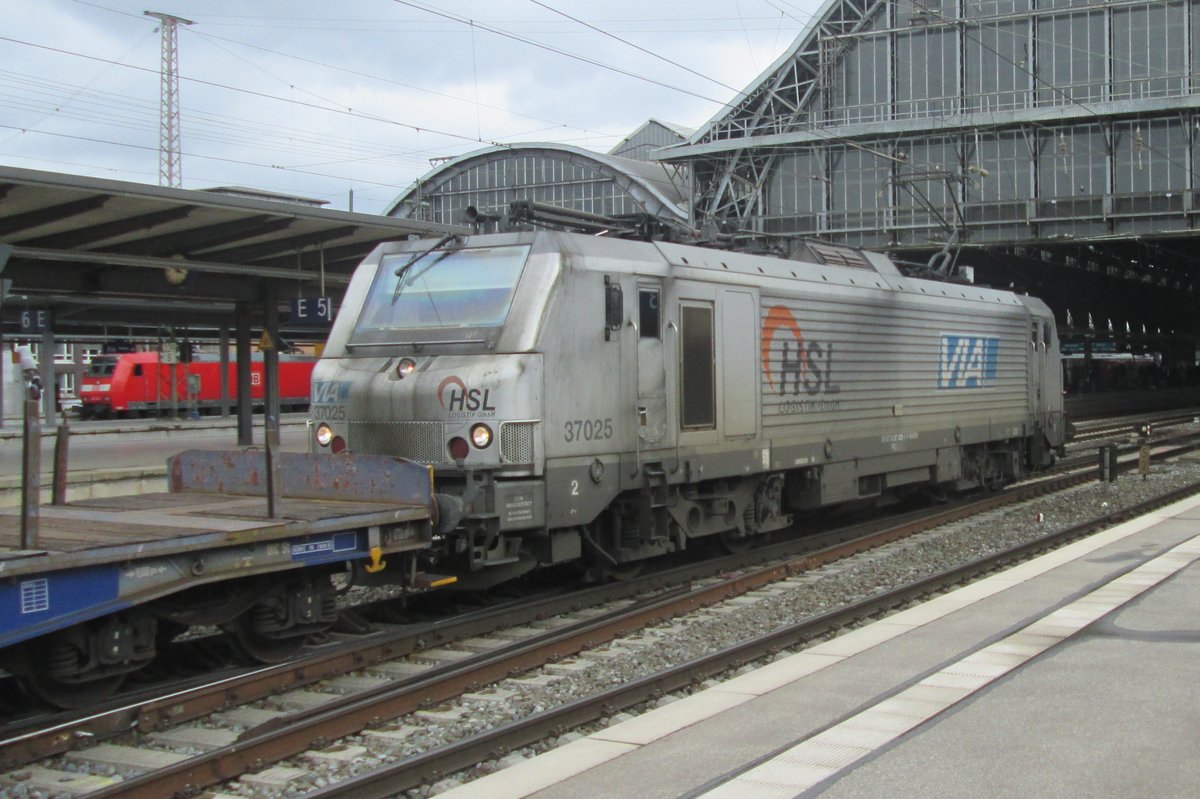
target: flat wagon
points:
(107, 582)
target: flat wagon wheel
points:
(275, 628)
(263, 647)
(77, 667)
(72, 695)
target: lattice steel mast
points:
(169, 167)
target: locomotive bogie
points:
(638, 396)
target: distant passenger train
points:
(604, 401)
(137, 383)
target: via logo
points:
(968, 361)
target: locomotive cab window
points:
(457, 289)
(648, 313)
(137, 370)
(697, 369)
(101, 367)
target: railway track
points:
(1090, 431)
(1177, 428)
(28, 739)
(386, 781)
(336, 712)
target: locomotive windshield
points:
(102, 367)
(464, 288)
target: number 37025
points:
(587, 430)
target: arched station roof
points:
(560, 174)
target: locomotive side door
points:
(651, 367)
(737, 345)
(1037, 364)
(1049, 380)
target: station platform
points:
(110, 458)
(1076, 674)
(181, 428)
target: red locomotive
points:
(138, 384)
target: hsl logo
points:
(968, 361)
(807, 365)
(460, 398)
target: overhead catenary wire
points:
(588, 135)
(349, 112)
(558, 50)
(31, 93)
(393, 82)
(637, 47)
(235, 161)
(357, 73)
(314, 153)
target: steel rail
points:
(1165, 446)
(156, 713)
(1114, 430)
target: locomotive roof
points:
(812, 261)
(808, 254)
(817, 262)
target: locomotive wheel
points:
(621, 572)
(72, 695)
(735, 544)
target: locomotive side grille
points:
(416, 441)
(516, 442)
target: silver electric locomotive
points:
(581, 398)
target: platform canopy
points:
(100, 251)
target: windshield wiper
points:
(403, 268)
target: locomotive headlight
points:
(324, 435)
(405, 367)
(481, 436)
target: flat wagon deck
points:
(200, 547)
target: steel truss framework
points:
(1003, 123)
(778, 104)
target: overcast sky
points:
(320, 99)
